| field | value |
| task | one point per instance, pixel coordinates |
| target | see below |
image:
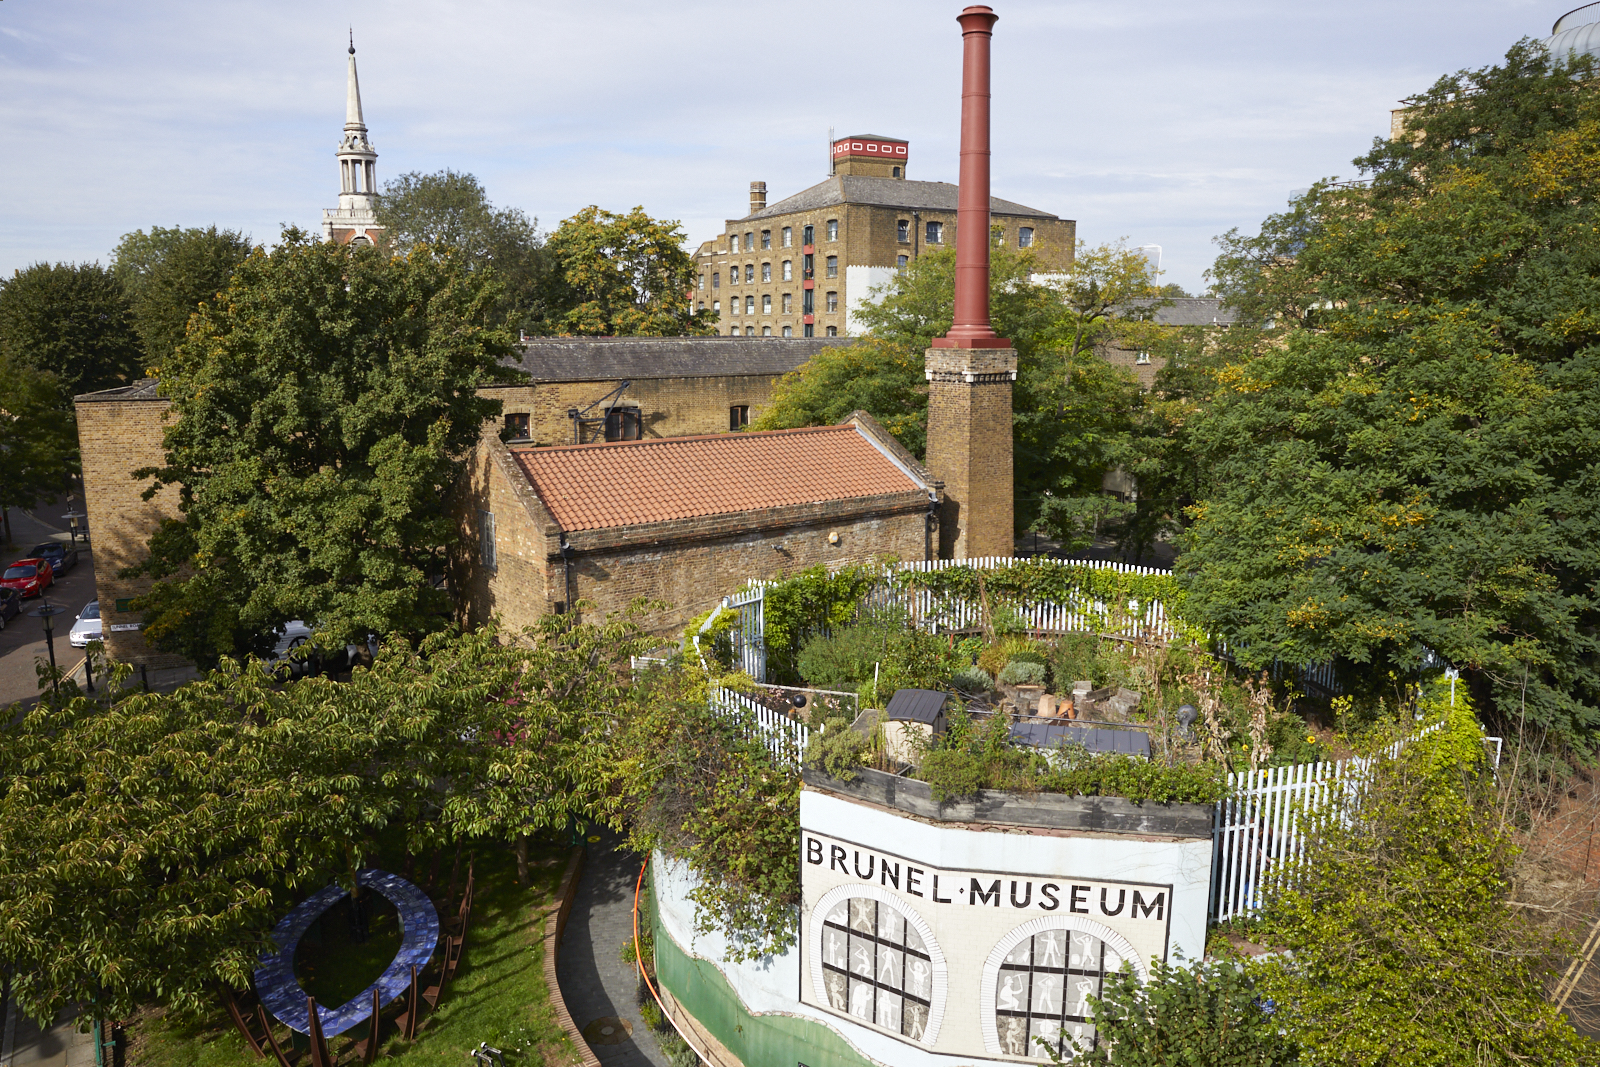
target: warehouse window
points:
(766, 238)
(738, 416)
(788, 331)
(807, 235)
(749, 305)
(833, 331)
(935, 233)
(833, 229)
(900, 262)
(766, 303)
(766, 272)
(517, 426)
(749, 272)
(833, 301)
(788, 303)
(788, 236)
(902, 231)
(788, 270)
(833, 266)
(622, 424)
(716, 280)
(1025, 237)
(486, 539)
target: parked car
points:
(10, 605)
(63, 557)
(86, 627)
(291, 635)
(30, 577)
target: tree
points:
(448, 210)
(1405, 463)
(881, 378)
(1405, 942)
(148, 847)
(168, 273)
(38, 447)
(1109, 292)
(70, 321)
(323, 409)
(624, 276)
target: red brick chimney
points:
(970, 370)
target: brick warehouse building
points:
(801, 266)
(682, 520)
(676, 387)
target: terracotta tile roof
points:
(589, 487)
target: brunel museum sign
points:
(968, 961)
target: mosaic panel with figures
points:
(876, 966)
(1043, 992)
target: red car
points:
(30, 577)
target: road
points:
(22, 643)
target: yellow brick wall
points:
(117, 438)
(668, 407)
(969, 449)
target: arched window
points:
(788, 236)
(833, 266)
(766, 272)
(749, 305)
(788, 270)
(833, 229)
(766, 303)
(788, 303)
(833, 301)
(749, 272)
(788, 331)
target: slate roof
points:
(584, 359)
(591, 487)
(143, 389)
(1193, 311)
(917, 705)
(1092, 738)
(887, 192)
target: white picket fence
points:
(785, 738)
(1258, 829)
(929, 612)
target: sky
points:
(1165, 122)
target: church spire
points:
(354, 221)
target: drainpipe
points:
(928, 523)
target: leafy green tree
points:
(323, 412)
(70, 321)
(623, 276)
(881, 378)
(168, 273)
(1108, 292)
(1404, 946)
(450, 210)
(1407, 460)
(38, 444)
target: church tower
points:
(354, 221)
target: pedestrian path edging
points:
(555, 925)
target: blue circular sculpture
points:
(280, 991)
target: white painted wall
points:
(858, 285)
(970, 938)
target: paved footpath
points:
(23, 1044)
(594, 979)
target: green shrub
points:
(972, 680)
(1205, 1013)
(1075, 657)
(1022, 672)
(844, 659)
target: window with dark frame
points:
(833, 301)
(833, 331)
(1043, 991)
(766, 238)
(486, 554)
(876, 967)
(900, 262)
(902, 231)
(622, 424)
(833, 266)
(935, 233)
(517, 425)
(833, 229)
(788, 236)
(808, 234)
(1025, 237)
(738, 416)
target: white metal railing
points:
(785, 738)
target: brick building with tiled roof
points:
(681, 520)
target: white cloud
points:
(1164, 121)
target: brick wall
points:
(116, 438)
(668, 407)
(969, 448)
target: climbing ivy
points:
(810, 603)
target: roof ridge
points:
(747, 435)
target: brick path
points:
(594, 980)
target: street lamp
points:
(47, 612)
(73, 517)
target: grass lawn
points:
(498, 994)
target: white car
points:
(86, 627)
(291, 636)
